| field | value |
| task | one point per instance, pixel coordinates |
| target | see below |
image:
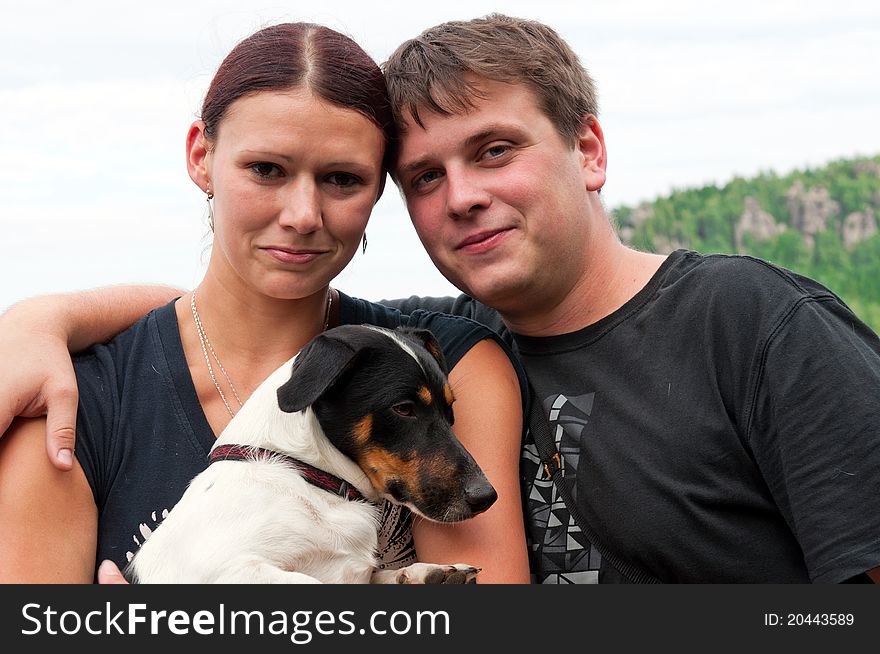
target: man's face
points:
(499, 199)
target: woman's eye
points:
(344, 180)
(265, 170)
(405, 409)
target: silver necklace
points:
(207, 347)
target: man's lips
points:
(482, 241)
(292, 255)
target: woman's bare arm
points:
(488, 422)
(49, 517)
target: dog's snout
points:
(480, 496)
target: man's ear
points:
(594, 157)
(317, 368)
(197, 149)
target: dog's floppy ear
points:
(319, 366)
(427, 339)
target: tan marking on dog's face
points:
(447, 393)
(382, 467)
(363, 430)
(425, 395)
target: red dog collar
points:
(315, 476)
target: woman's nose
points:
(301, 210)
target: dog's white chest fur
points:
(260, 518)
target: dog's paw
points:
(432, 573)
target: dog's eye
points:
(405, 409)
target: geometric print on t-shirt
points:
(560, 552)
(395, 547)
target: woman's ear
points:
(591, 145)
(197, 150)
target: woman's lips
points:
(288, 256)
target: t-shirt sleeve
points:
(455, 334)
(815, 434)
(416, 302)
(96, 416)
(463, 306)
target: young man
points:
(716, 415)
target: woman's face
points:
(294, 180)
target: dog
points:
(291, 494)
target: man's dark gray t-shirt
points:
(721, 426)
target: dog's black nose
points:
(480, 497)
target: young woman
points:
(291, 152)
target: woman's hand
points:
(108, 573)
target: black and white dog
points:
(361, 414)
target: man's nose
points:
(465, 194)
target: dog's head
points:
(382, 398)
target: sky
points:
(96, 98)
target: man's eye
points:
(426, 178)
(495, 151)
(405, 409)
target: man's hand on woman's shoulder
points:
(38, 378)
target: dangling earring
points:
(210, 207)
(364, 244)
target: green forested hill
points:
(822, 223)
